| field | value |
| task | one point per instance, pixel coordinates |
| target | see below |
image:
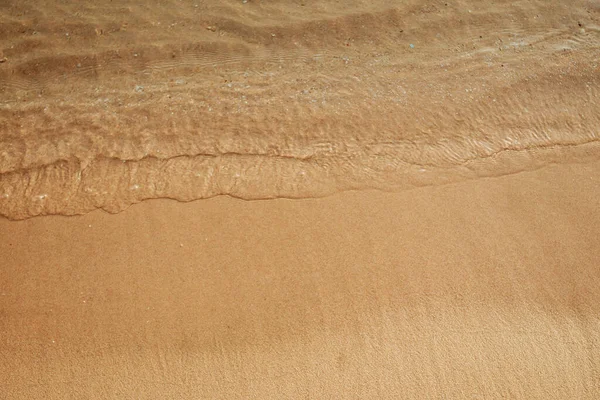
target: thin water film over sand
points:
(104, 105)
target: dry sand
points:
(393, 199)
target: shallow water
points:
(105, 105)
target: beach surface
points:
(481, 289)
(293, 199)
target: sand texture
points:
(109, 103)
(484, 289)
(375, 199)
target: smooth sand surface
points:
(488, 288)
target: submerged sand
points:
(104, 105)
(423, 182)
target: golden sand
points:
(393, 199)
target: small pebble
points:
(412, 46)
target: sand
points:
(367, 199)
(483, 289)
(107, 104)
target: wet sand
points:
(481, 289)
(363, 199)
